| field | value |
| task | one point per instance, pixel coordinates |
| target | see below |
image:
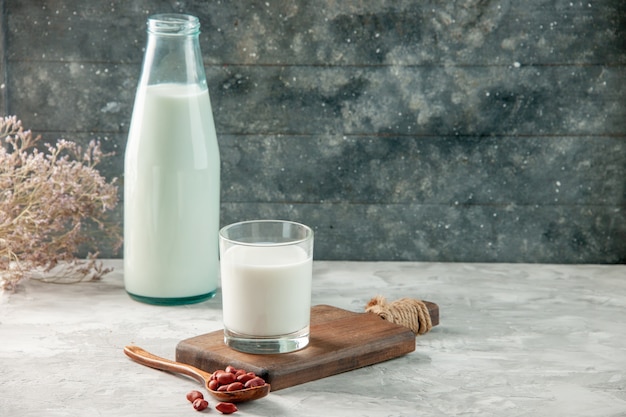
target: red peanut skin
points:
(226, 408)
(245, 378)
(235, 386)
(194, 395)
(226, 378)
(255, 382)
(200, 404)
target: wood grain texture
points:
(340, 341)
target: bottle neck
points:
(173, 51)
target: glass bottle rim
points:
(173, 24)
(239, 233)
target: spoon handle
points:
(153, 361)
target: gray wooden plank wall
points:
(470, 130)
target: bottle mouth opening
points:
(173, 24)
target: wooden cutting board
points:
(340, 341)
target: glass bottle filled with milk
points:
(171, 172)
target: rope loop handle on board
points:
(408, 312)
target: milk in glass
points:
(266, 291)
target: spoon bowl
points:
(146, 358)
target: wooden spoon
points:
(148, 359)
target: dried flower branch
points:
(48, 201)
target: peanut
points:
(255, 382)
(225, 378)
(226, 408)
(200, 404)
(234, 386)
(245, 378)
(194, 395)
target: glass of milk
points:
(266, 270)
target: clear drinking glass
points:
(266, 271)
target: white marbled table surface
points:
(514, 340)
